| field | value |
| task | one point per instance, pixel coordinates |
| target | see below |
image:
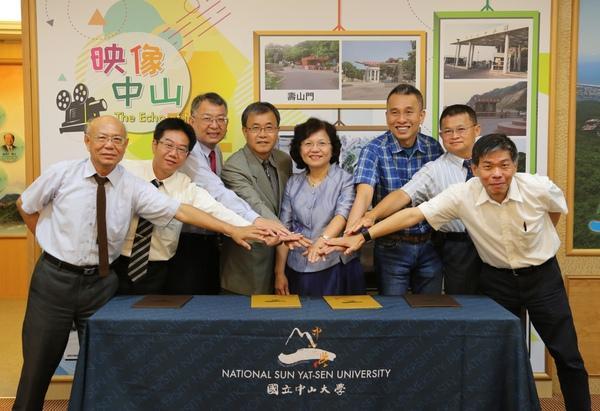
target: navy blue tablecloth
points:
(217, 353)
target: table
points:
(217, 353)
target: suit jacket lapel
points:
(262, 182)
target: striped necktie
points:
(140, 250)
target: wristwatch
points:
(366, 235)
(325, 237)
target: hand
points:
(295, 240)
(351, 243)
(313, 253)
(365, 221)
(272, 240)
(248, 233)
(273, 226)
(281, 285)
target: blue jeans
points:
(401, 266)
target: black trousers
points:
(57, 298)
(541, 291)
(195, 267)
(153, 282)
(461, 265)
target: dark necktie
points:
(103, 267)
(140, 249)
(467, 164)
(213, 161)
(272, 176)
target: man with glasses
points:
(406, 259)
(195, 267)
(145, 270)
(257, 173)
(80, 212)
(460, 262)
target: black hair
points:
(175, 123)
(494, 142)
(304, 130)
(406, 90)
(211, 97)
(456, 109)
(260, 107)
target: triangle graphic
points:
(62, 78)
(96, 19)
(50, 22)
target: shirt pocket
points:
(530, 233)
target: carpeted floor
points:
(548, 404)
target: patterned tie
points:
(103, 267)
(467, 164)
(140, 250)
(271, 175)
(213, 161)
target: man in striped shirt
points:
(460, 261)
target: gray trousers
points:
(57, 299)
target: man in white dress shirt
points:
(173, 140)
(511, 218)
(195, 267)
(72, 279)
(460, 262)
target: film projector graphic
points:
(78, 110)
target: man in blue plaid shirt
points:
(405, 259)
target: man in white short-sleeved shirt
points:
(72, 279)
(511, 218)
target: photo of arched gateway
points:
(487, 51)
(302, 65)
(370, 69)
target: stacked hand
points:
(364, 222)
(242, 235)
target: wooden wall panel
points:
(14, 267)
(584, 297)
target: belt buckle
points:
(89, 271)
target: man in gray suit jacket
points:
(257, 173)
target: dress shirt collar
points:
(395, 146)
(206, 150)
(514, 193)
(270, 159)
(453, 158)
(113, 177)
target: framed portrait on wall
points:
(295, 69)
(489, 61)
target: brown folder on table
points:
(351, 302)
(430, 300)
(275, 301)
(162, 301)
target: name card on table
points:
(430, 300)
(351, 302)
(162, 301)
(275, 301)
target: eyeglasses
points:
(257, 130)
(308, 145)
(116, 140)
(459, 131)
(206, 119)
(170, 146)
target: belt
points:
(524, 270)
(409, 238)
(453, 235)
(83, 270)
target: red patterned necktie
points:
(213, 161)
